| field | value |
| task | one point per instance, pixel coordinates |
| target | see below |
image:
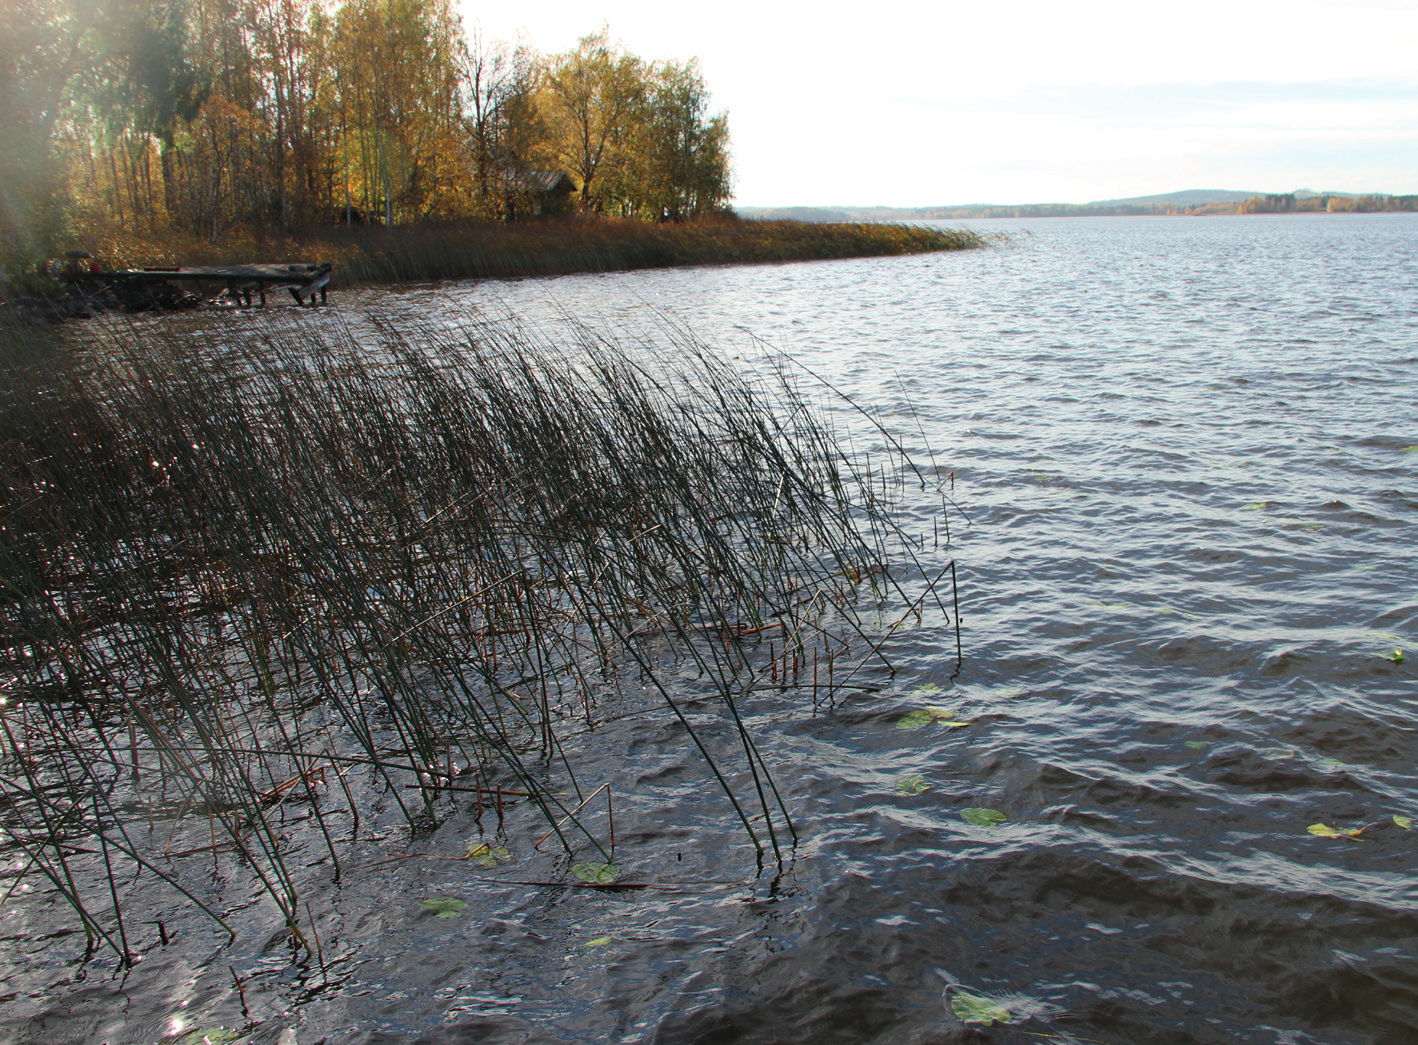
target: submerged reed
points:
(240, 575)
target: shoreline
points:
(375, 255)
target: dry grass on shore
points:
(372, 254)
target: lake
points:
(1182, 456)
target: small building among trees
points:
(539, 194)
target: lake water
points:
(1185, 455)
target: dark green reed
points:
(251, 569)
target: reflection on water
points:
(1187, 450)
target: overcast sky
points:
(1025, 101)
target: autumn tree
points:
(397, 67)
(507, 134)
(687, 151)
(203, 115)
(595, 100)
(41, 48)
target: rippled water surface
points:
(1185, 453)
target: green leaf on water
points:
(972, 1009)
(596, 873)
(1325, 831)
(915, 719)
(1278, 752)
(1196, 745)
(930, 713)
(927, 688)
(212, 1036)
(982, 817)
(443, 906)
(485, 855)
(1256, 506)
(1410, 449)
(599, 941)
(1396, 656)
(946, 717)
(1405, 822)
(912, 784)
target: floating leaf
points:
(982, 817)
(912, 784)
(443, 906)
(1279, 752)
(1405, 822)
(1121, 607)
(1325, 831)
(946, 717)
(927, 688)
(1196, 745)
(973, 1009)
(915, 719)
(485, 855)
(928, 714)
(599, 941)
(1396, 656)
(1410, 449)
(596, 873)
(212, 1036)
(1256, 506)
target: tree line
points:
(204, 115)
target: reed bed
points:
(245, 576)
(371, 254)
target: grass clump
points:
(372, 254)
(244, 574)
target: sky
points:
(889, 103)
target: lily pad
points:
(443, 906)
(596, 873)
(1405, 822)
(970, 1008)
(1396, 656)
(1197, 745)
(1325, 831)
(1278, 752)
(485, 855)
(982, 817)
(928, 714)
(212, 1036)
(915, 719)
(925, 689)
(912, 784)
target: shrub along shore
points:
(374, 254)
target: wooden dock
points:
(220, 284)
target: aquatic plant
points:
(260, 585)
(372, 254)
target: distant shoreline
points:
(1281, 203)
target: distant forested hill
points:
(1186, 202)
